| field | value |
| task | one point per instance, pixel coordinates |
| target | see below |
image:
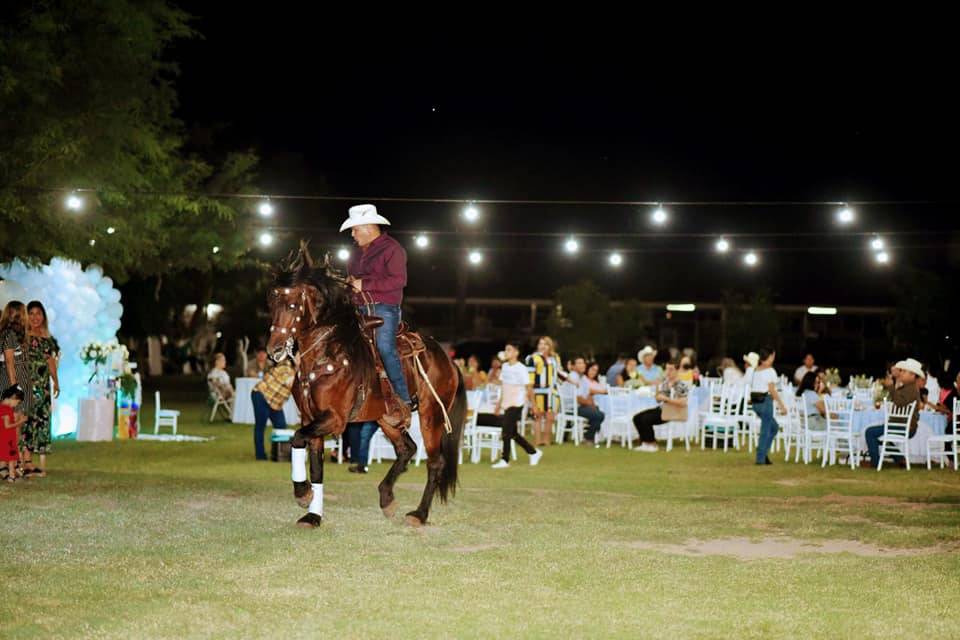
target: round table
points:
(642, 401)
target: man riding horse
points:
(348, 374)
(378, 274)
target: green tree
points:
(751, 324)
(581, 319)
(87, 97)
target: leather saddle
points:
(409, 343)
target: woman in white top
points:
(763, 393)
(810, 394)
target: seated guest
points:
(629, 377)
(597, 384)
(807, 366)
(616, 369)
(903, 392)
(651, 374)
(672, 398)
(945, 406)
(474, 376)
(586, 405)
(811, 391)
(688, 372)
(493, 375)
(259, 365)
(219, 379)
(729, 371)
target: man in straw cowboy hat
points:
(651, 373)
(903, 391)
(378, 274)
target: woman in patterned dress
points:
(42, 353)
(14, 366)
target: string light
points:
(266, 239)
(111, 231)
(92, 241)
(471, 213)
(750, 259)
(877, 244)
(616, 259)
(475, 257)
(422, 241)
(846, 215)
(883, 257)
(74, 202)
(659, 216)
(722, 245)
(216, 249)
(571, 245)
(265, 209)
(343, 254)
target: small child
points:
(10, 423)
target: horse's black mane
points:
(334, 301)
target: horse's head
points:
(300, 298)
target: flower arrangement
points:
(861, 381)
(832, 377)
(94, 353)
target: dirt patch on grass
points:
(790, 483)
(858, 501)
(475, 548)
(777, 548)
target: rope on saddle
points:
(443, 408)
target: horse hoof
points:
(390, 510)
(413, 521)
(310, 521)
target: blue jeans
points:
(359, 435)
(261, 412)
(386, 337)
(594, 420)
(768, 428)
(872, 435)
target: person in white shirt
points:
(807, 366)
(516, 390)
(219, 379)
(586, 405)
(763, 393)
(729, 371)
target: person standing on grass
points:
(43, 353)
(516, 390)
(10, 422)
(763, 393)
(543, 368)
(268, 398)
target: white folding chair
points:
(164, 417)
(379, 445)
(569, 422)
(813, 438)
(331, 444)
(676, 429)
(219, 402)
(620, 420)
(749, 421)
(725, 422)
(839, 431)
(938, 444)
(896, 431)
(791, 428)
(470, 428)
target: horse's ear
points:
(305, 253)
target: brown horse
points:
(338, 383)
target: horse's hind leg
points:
(405, 448)
(435, 464)
(315, 509)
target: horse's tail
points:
(450, 443)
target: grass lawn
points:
(168, 540)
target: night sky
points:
(335, 107)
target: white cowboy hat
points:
(363, 214)
(911, 365)
(752, 358)
(646, 351)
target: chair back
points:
(839, 415)
(568, 399)
(620, 403)
(897, 420)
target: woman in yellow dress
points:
(543, 367)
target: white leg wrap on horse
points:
(316, 505)
(298, 466)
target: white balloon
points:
(11, 290)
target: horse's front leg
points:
(325, 423)
(314, 515)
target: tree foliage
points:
(584, 322)
(87, 97)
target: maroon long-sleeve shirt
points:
(382, 266)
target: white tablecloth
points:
(699, 397)
(929, 423)
(243, 406)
